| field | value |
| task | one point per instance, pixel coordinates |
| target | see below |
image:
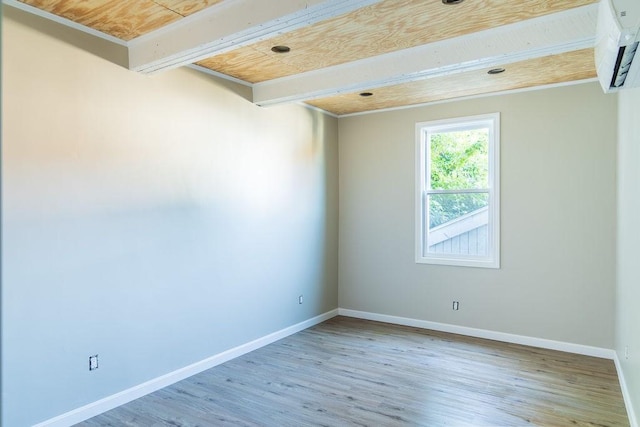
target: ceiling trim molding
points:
(319, 110)
(553, 34)
(64, 21)
(228, 25)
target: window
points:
(457, 193)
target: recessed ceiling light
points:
(452, 1)
(365, 94)
(281, 49)
(496, 71)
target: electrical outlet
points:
(456, 305)
(300, 299)
(93, 362)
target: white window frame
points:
(492, 260)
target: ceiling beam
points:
(229, 25)
(547, 35)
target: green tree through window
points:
(458, 161)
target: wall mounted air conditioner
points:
(616, 52)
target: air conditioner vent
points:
(626, 54)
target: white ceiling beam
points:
(229, 25)
(551, 34)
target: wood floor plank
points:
(352, 372)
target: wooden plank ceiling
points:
(571, 66)
(378, 29)
(126, 19)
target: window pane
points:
(459, 160)
(458, 224)
(444, 208)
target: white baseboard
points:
(604, 353)
(125, 396)
(483, 333)
(633, 420)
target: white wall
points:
(628, 290)
(155, 221)
(557, 279)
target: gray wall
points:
(155, 221)
(557, 276)
(160, 220)
(628, 291)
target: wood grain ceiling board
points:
(186, 7)
(567, 67)
(125, 20)
(377, 29)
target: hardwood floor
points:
(351, 372)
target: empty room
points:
(320, 213)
